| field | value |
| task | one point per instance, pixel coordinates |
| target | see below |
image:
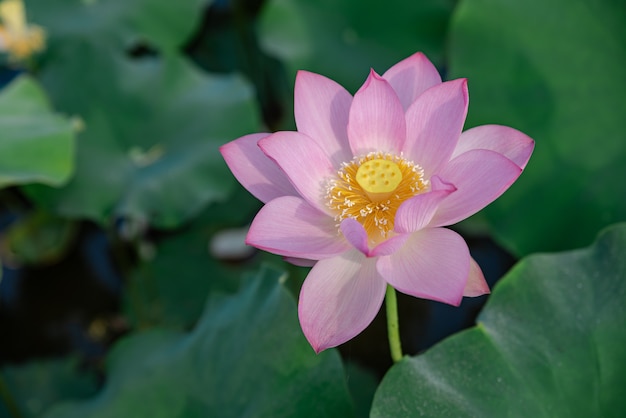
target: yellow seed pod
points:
(379, 176)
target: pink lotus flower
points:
(364, 186)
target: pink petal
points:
(339, 298)
(307, 166)
(509, 142)
(415, 213)
(480, 177)
(476, 283)
(257, 173)
(389, 246)
(434, 123)
(321, 109)
(434, 264)
(412, 77)
(355, 234)
(376, 118)
(290, 227)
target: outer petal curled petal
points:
(339, 298)
(289, 226)
(355, 234)
(307, 166)
(415, 213)
(321, 108)
(476, 283)
(509, 142)
(411, 77)
(434, 124)
(254, 170)
(434, 264)
(389, 246)
(480, 177)
(376, 118)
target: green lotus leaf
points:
(549, 343)
(555, 71)
(246, 357)
(343, 39)
(37, 385)
(36, 145)
(149, 149)
(152, 123)
(162, 24)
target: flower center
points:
(371, 188)
(379, 177)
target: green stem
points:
(393, 329)
(9, 401)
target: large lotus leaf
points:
(152, 125)
(343, 39)
(555, 70)
(37, 385)
(152, 129)
(163, 24)
(246, 357)
(35, 144)
(549, 343)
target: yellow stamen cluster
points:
(18, 38)
(371, 188)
